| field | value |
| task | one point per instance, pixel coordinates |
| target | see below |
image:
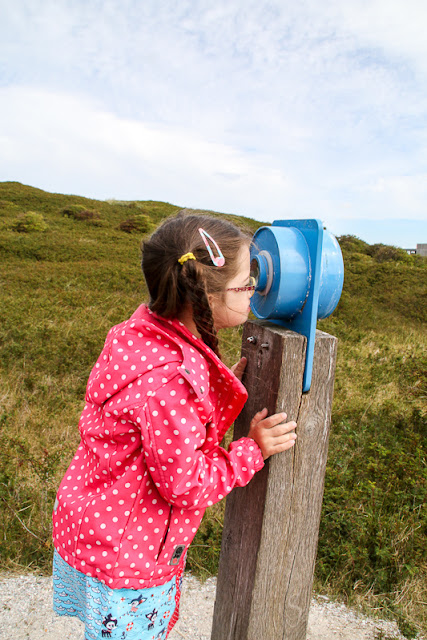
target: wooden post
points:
(271, 526)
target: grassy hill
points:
(70, 270)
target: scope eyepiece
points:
(299, 274)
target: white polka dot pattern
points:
(149, 463)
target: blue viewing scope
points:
(299, 274)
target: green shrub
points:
(353, 244)
(8, 209)
(387, 253)
(30, 222)
(139, 223)
(80, 212)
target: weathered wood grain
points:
(271, 526)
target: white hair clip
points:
(219, 261)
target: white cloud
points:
(75, 142)
(301, 109)
(400, 194)
(395, 27)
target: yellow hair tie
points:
(185, 257)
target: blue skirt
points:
(119, 614)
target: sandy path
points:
(26, 614)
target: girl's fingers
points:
(282, 428)
(258, 417)
(282, 444)
(270, 421)
(285, 446)
(277, 445)
(274, 420)
(289, 437)
(272, 433)
(239, 368)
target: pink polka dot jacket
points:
(158, 403)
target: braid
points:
(202, 313)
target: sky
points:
(265, 108)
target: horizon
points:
(349, 231)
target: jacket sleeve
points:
(185, 472)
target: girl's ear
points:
(211, 300)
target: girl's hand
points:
(272, 434)
(239, 368)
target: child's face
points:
(234, 308)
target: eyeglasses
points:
(250, 287)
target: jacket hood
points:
(126, 356)
(128, 350)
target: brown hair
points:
(173, 286)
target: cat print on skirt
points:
(119, 614)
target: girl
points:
(158, 403)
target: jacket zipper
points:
(166, 533)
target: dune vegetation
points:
(70, 270)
